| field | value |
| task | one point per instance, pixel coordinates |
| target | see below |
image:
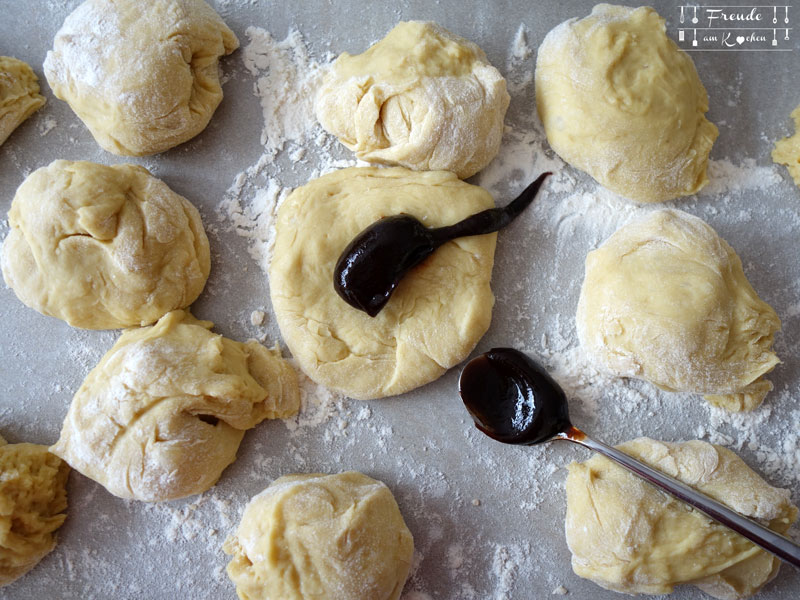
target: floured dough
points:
(627, 536)
(103, 247)
(33, 498)
(665, 299)
(622, 102)
(320, 537)
(422, 98)
(164, 411)
(142, 76)
(19, 95)
(787, 150)
(437, 313)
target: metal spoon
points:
(513, 400)
(372, 265)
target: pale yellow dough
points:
(665, 299)
(163, 413)
(19, 95)
(787, 150)
(33, 498)
(622, 102)
(436, 315)
(103, 247)
(142, 76)
(421, 98)
(627, 536)
(321, 537)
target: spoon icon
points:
(373, 263)
(515, 401)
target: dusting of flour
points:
(295, 147)
(286, 82)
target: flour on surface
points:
(286, 83)
(518, 77)
(507, 563)
(295, 147)
(318, 405)
(726, 177)
(47, 125)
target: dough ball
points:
(319, 537)
(627, 536)
(19, 95)
(665, 299)
(33, 498)
(422, 98)
(142, 76)
(622, 102)
(103, 247)
(437, 313)
(787, 150)
(163, 413)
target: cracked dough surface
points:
(33, 498)
(103, 247)
(164, 96)
(163, 413)
(321, 537)
(436, 315)
(665, 299)
(620, 100)
(627, 536)
(421, 98)
(19, 95)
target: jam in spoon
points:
(372, 265)
(513, 400)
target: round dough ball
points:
(33, 498)
(321, 537)
(622, 102)
(142, 76)
(103, 247)
(437, 313)
(665, 299)
(163, 413)
(19, 95)
(627, 536)
(422, 98)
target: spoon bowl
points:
(509, 405)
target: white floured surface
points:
(286, 82)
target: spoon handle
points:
(492, 219)
(767, 539)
